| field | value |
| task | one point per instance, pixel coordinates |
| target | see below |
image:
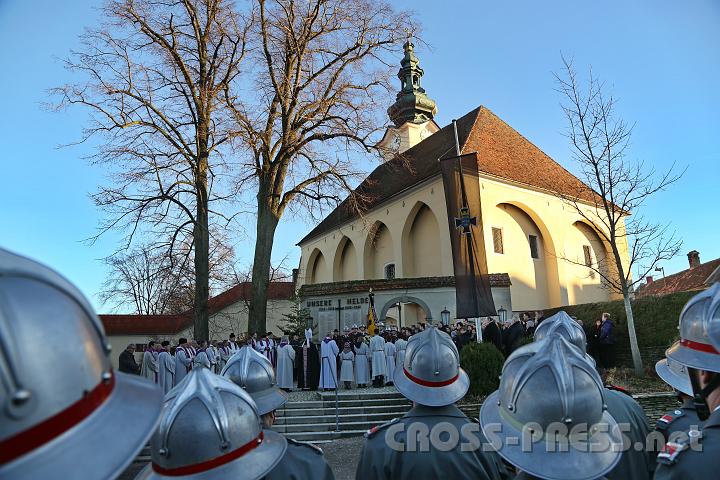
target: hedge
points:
(483, 364)
(656, 322)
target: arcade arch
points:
(421, 243)
(378, 251)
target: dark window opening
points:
(533, 246)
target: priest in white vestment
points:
(362, 363)
(183, 360)
(149, 366)
(166, 365)
(379, 365)
(328, 363)
(201, 360)
(285, 364)
(390, 351)
(232, 345)
(400, 346)
(225, 354)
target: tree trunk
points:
(201, 237)
(267, 222)
(634, 349)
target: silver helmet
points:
(563, 324)
(674, 374)
(58, 404)
(255, 374)
(210, 429)
(699, 344)
(543, 394)
(430, 373)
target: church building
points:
(537, 247)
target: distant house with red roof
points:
(698, 276)
(228, 313)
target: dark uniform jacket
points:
(379, 460)
(634, 464)
(302, 461)
(512, 336)
(693, 458)
(676, 423)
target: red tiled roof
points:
(501, 152)
(136, 324)
(686, 281)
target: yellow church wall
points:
(420, 245)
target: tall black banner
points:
(473, 297)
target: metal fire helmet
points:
(674, 374)
(254, 373)
(546, 390)
(563, 324)
(699, 344)
(430, 373)
(211, 429)
(60, 402)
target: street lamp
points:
(502, 314)
(445, 316)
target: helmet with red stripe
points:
(210, 429)
(64, 412)
(430, 373)
(699, 344)
(699, 317)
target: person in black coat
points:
(513, 335)
(492, 333)
(127, 361)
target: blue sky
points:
(660, 57)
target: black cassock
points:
(307, 360)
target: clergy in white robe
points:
(362, 363)
(232, 344)
(213, 356)
(377, 352)
(328, 363)
(400, 346)
(347, 361)
(285, 364)
(183, 361)
(225, 353)
(166, 364)
(390, 359)
(201, 360)
(149, 365)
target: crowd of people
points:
(552, 416)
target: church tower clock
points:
(413, 111)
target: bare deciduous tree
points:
(155, 74)
(614, 190)
(149, 281)
(321, 77)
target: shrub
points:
(483, 364)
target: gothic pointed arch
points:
(345, 261)
(421, 243)
(317, 268)
(378, 252)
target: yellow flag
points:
(371, 320)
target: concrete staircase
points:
(358, 411)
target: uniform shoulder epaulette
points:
(665, 421)
(377, 428)
(618, 389)
(315, 448)
(669, 454)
